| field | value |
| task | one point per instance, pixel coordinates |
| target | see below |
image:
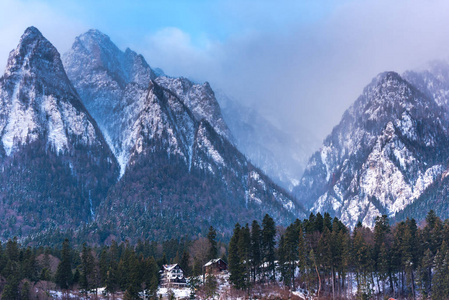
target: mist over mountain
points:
(282, 155)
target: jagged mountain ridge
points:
(432, 80)
(175, 127)
(217, 186)
(111, 81)
(52, 154)
(388, 148)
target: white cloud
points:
(308, 73)
(174, 50)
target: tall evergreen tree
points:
(424, 274)
(268, 246)
(255, 253)
(440, 282)
(185, 263)
(235, 263)
(64, 271)
(104, 265)
(87, 269)
(244, 248)
(211, 237)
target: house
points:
(215, 266)
(172, 275)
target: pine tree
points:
(211, 286)
(111, 281)
(283, 268)
(64, 271)
(25, 291)
(104, 265)
(211, 237)
(362, 262)
(185, 263)
(235, 263)
(255, 253)
(302, 263)
(440, 282)
(150, 273)
(268, 246)
(12, 250)
(11, 289)
(244, 247)
(424, 274)
(291, 254)
(87, 269)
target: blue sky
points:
(300, 63)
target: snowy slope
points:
(200, 99)
(37, 99)
(43, 124)
(113, 85)
(388, 148)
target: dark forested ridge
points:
(319, 256)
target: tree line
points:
(322, 256)
(318, 254)
(120, 268)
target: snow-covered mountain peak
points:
(99, 54)
(37, 99)
(381, 157)
(45, 128)
(36, 55)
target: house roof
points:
(169, 267)
(213, 261)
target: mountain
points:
(390, 146)
(180, 171)
(113, 85)
(281, 155)
(432, 80)
(112, 80)
(55, 164)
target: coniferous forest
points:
(318, 255)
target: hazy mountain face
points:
(56, 166)
(281, 155)
(390, 146)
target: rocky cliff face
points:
(55, 164)
(114, 84)
(389, 147)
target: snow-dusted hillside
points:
(38, 101)
(47, 140)
(200, 99)
(113, 85)
(183, 176)
(390, 145)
